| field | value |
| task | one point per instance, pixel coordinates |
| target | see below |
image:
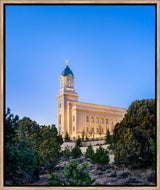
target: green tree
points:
(11, 125)
(131, 136)
(66, 138)
(73, 175)
(76, 152)
(108, 138)
(50, 146)
(78, 142)
(67, 152)
(101, 157)
(89, 152)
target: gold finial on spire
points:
(66, 61)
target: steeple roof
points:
(67, 71)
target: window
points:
(92, 129)
(92, 119)
(106, 121)
(73, 118)
(69, 83)
(97, 129)
(60, 105)
(73, 128)
(97, 120)
(87, 129)
(87, 119)
(102, 120)
(60, 119)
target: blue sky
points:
(111, 51)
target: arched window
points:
(69, 83)
(106, 121)
(73, 118)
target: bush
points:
(66, 153)
(73, 174)
(123, 174)
(89, 152)
(151, 176)
(66, 138)
(132, 180)
(101, 157)
(54, 180)
(113, 174)
(78, 141)
(76, 152)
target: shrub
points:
(66, 153)
(73, 174)
(76, 152)
(151, 176)
(123, 174)
(101, 156)
(78, 141)
(54, 180)
(66, 138)
(89, 152)
(132, 180)
(113, 174)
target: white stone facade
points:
(83, 119)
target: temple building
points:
(83, 119)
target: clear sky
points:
(111, 51)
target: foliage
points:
(123, 174)
(20, 156)
(101, 157)
(89, 152)
(113, 174)
(76, 152)
(152, 147)
(50, 146)
(131, 136)
(67, 152)
(11, 124)
(54, 180)
(108, 138)
(151, 176)
(78, 142)
(87, 139)
(73, 174)
(66, 138)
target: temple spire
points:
(66, 62)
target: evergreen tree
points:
(89, 152)
(66, 138)
(108, 138)
(131, 136)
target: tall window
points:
(60, 119)
(73, 118)
(73, 128)
(69, 83)
(92, 129)
(87, 119)
(102, 120)
(60, 105)
(106, 121)
(92, 119)
(97, 120)
(87, 129)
